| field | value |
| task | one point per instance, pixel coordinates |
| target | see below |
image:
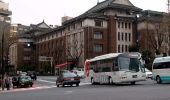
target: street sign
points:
(44, 58)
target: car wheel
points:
(158, 80)
(77, 84)
(92, 81)
(132, 83)
(110, 81)
(57, 85)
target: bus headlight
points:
(123, 76)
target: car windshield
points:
(26, 77)
(127, 64)
(69, 74)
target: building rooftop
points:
(112, 4)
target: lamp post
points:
(2, 60)
(137, 33)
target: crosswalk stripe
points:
(37, 87)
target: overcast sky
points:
(35, 11)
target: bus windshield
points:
(129, 64)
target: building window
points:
(98, 35)
(118, 24)
(98, 48)
(122, 25)
(125, 25)
(81, 24)
(119, 36)
(125, 36)
(27, 58)
(122, 36)
(126, 48)
(118, 48)
(129, 37)
(122, 48)
(68, 28)
(98, 23)
(74, 26)
(129, 25)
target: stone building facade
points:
(110, 26)
(154, 36)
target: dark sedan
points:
(67, 78)
(32, 74)
(22, 81)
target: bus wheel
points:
(158, 80)
(92, 81)
(132, 83)
(110, 81)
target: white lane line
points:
(45, 81)
(81, 83)
(68, 92)
(40, 87)
(84, 84)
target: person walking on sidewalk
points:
(7, 82)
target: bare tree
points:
(74, 50)
(156, 37)
(166, 26)
(59, 52)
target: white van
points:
(161, 69)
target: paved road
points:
(147, 90)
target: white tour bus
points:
(115, 68)
(161, 69)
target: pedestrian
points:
(7, 82)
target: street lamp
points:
(2, 60)
(137, 32)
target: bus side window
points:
(115, 65)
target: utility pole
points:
(2, 60)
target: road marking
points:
(68, 92)
(27, 89)
(39, 87)
(81, 83)
(45, 81)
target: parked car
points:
(15, 81)
(23, 73)
(32, 74)
(67, 78)
(79, 73)
(22, 81)
(148, 73)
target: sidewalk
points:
(5, 89)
